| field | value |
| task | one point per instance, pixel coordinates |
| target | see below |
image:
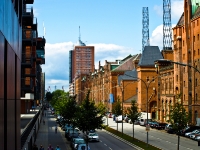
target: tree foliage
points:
(101, 108)
(117, 108)
(48, 96)
(133, 113)
(178, 118)
(88, 116)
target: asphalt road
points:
(108, 142)
(157, 138)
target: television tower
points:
(145, 27)
(167, 27)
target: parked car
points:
(193, 136)
(152, 124)
(189, 129)
(119, 118)
(197, 138)
(72, 135)
(93, 137)
(169, 129)
(75, 141)
(82, 147)
(160, 126)
(70, 131)
(193, 132)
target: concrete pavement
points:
(47, 135)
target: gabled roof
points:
(135, 97)
(128, 75)
(197, 13)
(126, 59)
(181, 20)
(149, 55)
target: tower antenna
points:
(167, 29)
(79, 33)
(145, 27)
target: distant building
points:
(81, 61)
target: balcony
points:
(27, 61)
(40, 57)
(34, 26)
(27, 37)
(26, 85)
(27, 17)
(28, 1)
(30, 72)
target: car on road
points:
(82, 147)
(119, 118)
(160, 126)
(75, 141)
(193, 132)
(92, 137)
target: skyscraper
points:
(81, 61)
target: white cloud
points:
(176, 9)
(156, 38)
(56, 66)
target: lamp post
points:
(165, 62)
(147, 85)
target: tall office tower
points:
(81, 62)
(10, 71)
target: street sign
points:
(147, 127)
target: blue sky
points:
(114, 27)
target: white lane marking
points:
(105, 144)
(110, 148)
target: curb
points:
(129, 143)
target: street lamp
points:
(165, 62)
(168, 62)
(147, 85)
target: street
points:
(157, 138)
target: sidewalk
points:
(46, 134)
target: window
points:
(184, 83)
(194, 38)
(176, 78)
(183, 29)
(184, 97)
(183, 42)
(183, 56)
(147, 79)
(194, 52)
(183, 69)
(196, 82)
(197, 22)
(198, 51)
(198, 37)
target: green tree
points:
(117, 109)
(102, 108)
(133, 113)
(48, 96)
(88, 116)
(178, 118)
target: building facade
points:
(81, 61)
(186, 50)
(10, 73)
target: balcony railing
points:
(27, 84)
(27, 60)
(28, 1)
(27, 17)
(30, 72)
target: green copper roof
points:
(195, 4)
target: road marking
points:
(105, 144)
(110, 148)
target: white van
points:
(143, 122)
(143, 118)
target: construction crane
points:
(167, 27)
(145, 27)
